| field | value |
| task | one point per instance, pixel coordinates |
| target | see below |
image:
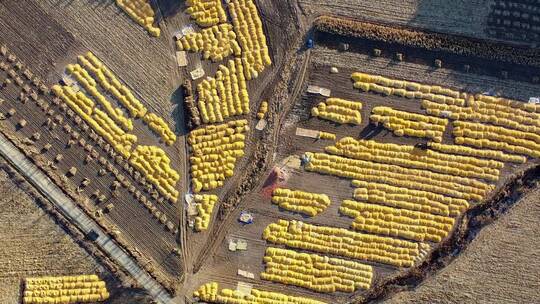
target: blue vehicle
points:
(92, 235)
(309, 43)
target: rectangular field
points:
(459, 17)
(147, 224)
(223, 267)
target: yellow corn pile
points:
(467, 151)
(141, 12)
(410, 124)
(206, 12)
(249, 31)
(216, 42)
(315, 272)
(410, 199)
(64, 290)
(262, 110)
(111, 123)
(299, 201)
(90, 72)
(215, 150)
(225, 95)
(395, 222)
(410, 157)
(205, 205)
(110, 83)
(156, 167)
(343, 242)
(98, 120)
(210, 292)
(407, 89)
(158, 125)
(514, 126)
(497, 138)
(420, 179)
(339, 110)
(83, 77)
(480, 111)
(327, 135)
(504, 104)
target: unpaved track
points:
(81, 220)
(182, 138)
(221, 231)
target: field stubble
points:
(33, 244)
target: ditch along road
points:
(78, 218)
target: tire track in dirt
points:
(182, 129)
(220, 231)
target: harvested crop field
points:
(455, 17)
(150, 228)
(325, 151)
(417, 67)
(510, 21)
(59, 147)
(499, 266)
(148, 71)
(33, 244)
